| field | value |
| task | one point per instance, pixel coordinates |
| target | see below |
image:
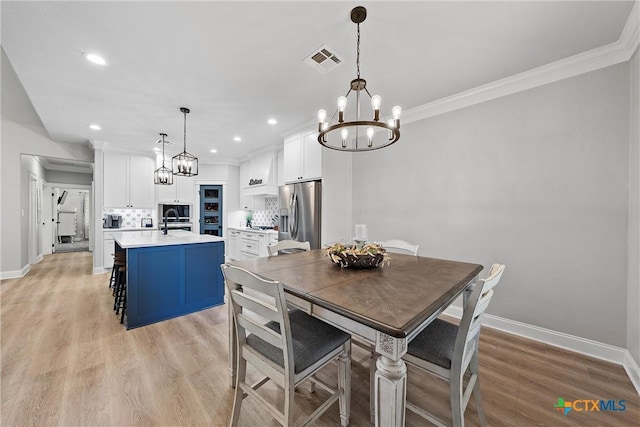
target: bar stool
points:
(119, 260)
(120, 299)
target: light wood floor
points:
(67, 361)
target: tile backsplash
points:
(263, 218)
(131, 218)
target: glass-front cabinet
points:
(211, 210)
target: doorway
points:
(211, 210)
(72, 216)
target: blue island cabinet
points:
(170, 281)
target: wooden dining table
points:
(385, 307)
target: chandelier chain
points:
(358, 53)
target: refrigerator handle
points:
(295, 214)
(291, 215)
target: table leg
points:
(391, 392)
(390, 381)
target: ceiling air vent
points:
(323, 59)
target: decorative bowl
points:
(353, 256)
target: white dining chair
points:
(450, 352)
(288, 347)
(274, 248)
(400, 247)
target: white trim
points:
(614, 53)
(630, 37)
(38, 259)
(15, 274)
(633, 370)
(580, 345)
(100, 270)
(605, 56)
(70, 186)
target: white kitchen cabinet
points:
(182, 191)
(249, 243)
(128, 181)
(253, 203)
(302, 158)
(109, 247)
(233, 247)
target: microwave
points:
(184, 213)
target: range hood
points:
(259, 176)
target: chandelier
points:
(163, 175)
(328, 130)
(185, 164)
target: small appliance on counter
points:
(112, 221)
(146, 223)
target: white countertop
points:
(148, 238)
(253, 230)
(117, 230)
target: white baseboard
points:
(584, 346)
(101, 270)
(15, 274)
(633, 370)
(38, 259)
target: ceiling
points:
(236, 64)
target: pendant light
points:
(336, 136)
(163, 175)
(185, 164)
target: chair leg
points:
(372, 386)
(473, 366)
(457, 410)
(289, 410)
(344, 383)
(241, 371)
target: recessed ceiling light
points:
(95, 58)
(213, 150)
(95, 126)
(272, 121)
(237, 139)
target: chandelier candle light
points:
(358, 85)
(185, 164)
(163, 175)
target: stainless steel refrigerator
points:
(300, 209)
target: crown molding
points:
(614, 53)
(630, 37)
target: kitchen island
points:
(170, 275)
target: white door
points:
(46, 230)
(33, 221)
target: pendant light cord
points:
(185, 132)
(163, 151)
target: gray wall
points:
(633, 291)
(21, 134)
(537, 180)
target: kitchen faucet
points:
(166, 216)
